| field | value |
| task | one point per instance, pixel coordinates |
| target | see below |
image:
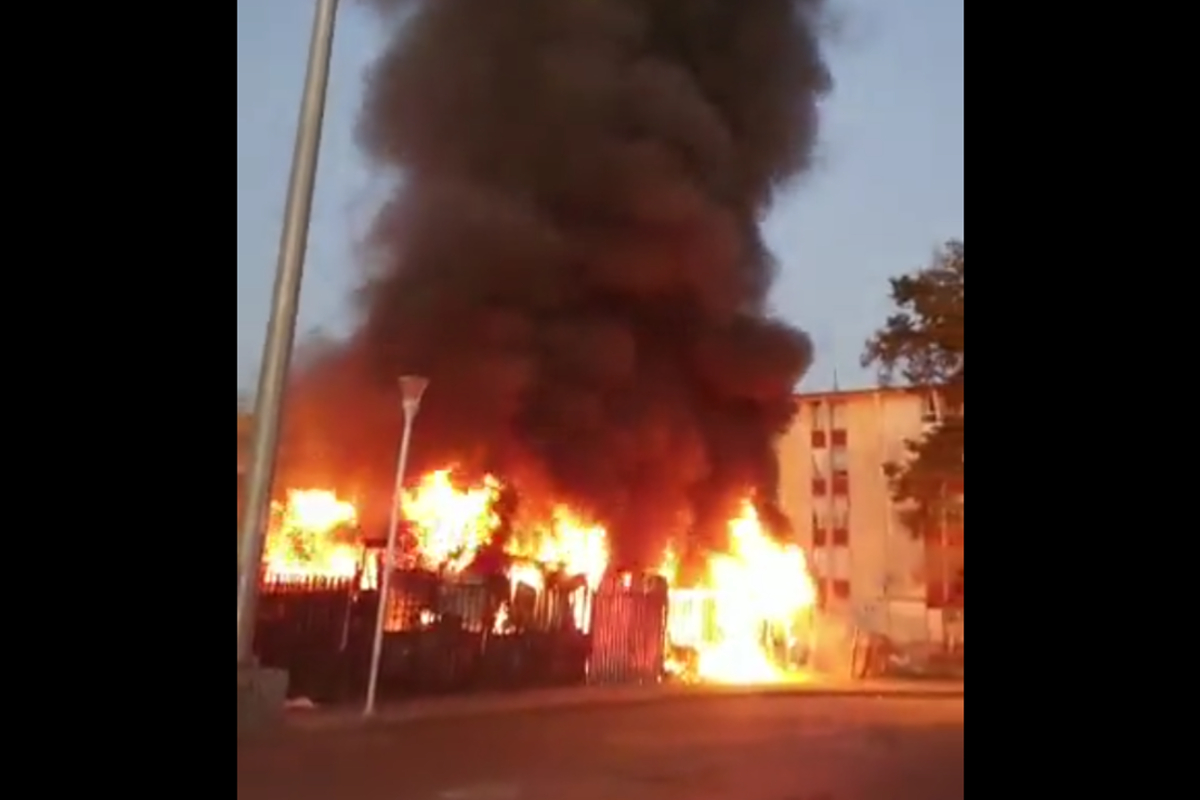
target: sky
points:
(886, 191)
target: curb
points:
(345, 719)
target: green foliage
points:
(922, 345)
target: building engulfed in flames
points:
(743, 622)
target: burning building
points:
(573, 259)
(740, 620)
(572, 256)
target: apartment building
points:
(832, 485)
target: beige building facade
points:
(833, 487)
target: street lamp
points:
(281, 330)
(412, 387)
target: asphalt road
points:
(720, 748)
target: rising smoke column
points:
(573, 255)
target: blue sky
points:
(887, 190)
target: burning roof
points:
(573, 258)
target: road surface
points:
(717, 748)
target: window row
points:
(832, 589)
(839, 486)
(837, 438)
(838, 462)
(831, 416)
(827, 415)
(835, 516)
(838, 537)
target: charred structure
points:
(572, 256)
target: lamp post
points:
(412, 387)
(281, 330)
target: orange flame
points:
(451, 524)
(754, 600)
(754, 596)
(305, 538)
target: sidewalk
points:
(342, 717)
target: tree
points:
(922, 345)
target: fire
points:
(306, 537)
(567, 543)
(451, 524)
(740, 624)
(757, 595)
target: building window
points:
(818, 439)
(820, 532)
(841, 522)
(837, 416)
(828, 590)
(820, 487)
(839, 461)
(839, 437)
(841, 484)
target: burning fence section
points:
(313, 535)
(468, 573)
(458, 633)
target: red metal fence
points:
(443, 636)
(629, 623)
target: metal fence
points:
(454, 635)
(629, 630)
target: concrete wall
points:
(833, 487)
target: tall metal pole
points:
(281, 329)
(413, 388)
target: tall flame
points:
(303, 539)
(760, 590)
(451, 524)
(752, 603)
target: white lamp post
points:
(412, 388)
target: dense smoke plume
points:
(572, 255)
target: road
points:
(719, 748)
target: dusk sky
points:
(888, 187)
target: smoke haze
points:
(573, 257)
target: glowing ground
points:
(748, 747)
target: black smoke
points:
(573, 254)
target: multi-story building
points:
(833, 486)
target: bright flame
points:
(451, 524)
(303, 540)
(566, 543)
(757, 594)
(753, 603)
(522, 573)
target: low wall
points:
(260, 695)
